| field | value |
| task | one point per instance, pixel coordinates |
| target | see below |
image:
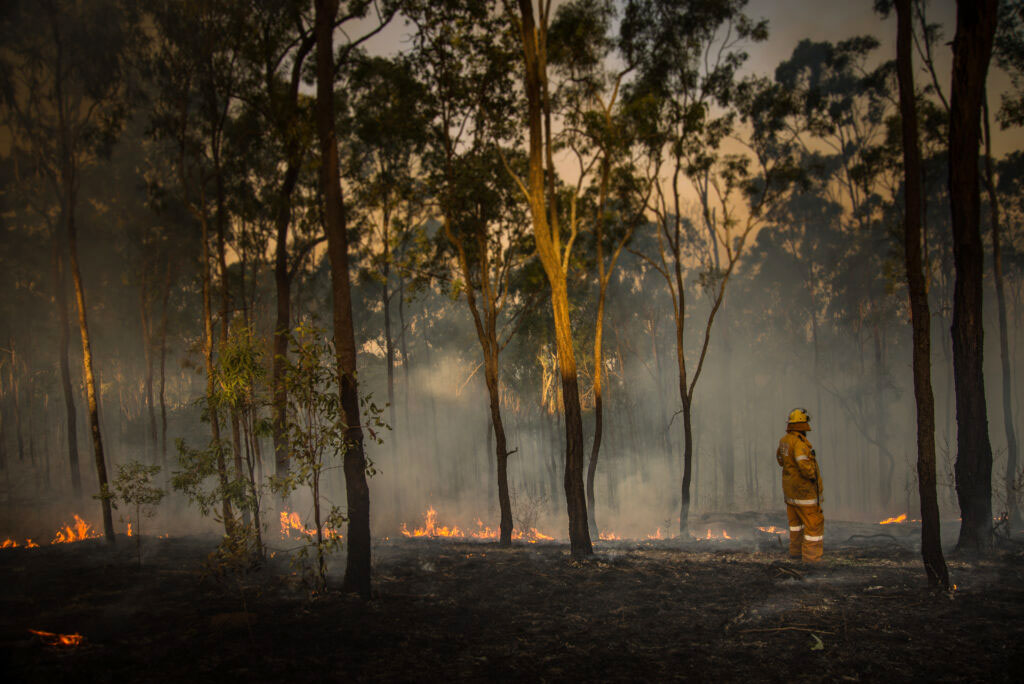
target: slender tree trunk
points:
(71, 417)
(501, 449)
(163, 361)
(920, 315)
(1012, 511)
(403, 347)
(282, 324)
(595, 450)
(389, 343)
(547, 239)
(147, 353)
(87, 368)
(211, 394)
(972, 48)
(357, 568)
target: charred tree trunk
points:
(357, 568)
(389, 343)
(920, 315)
(87, 368)
(972, 48)
(1013, 513)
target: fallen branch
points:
(785, 629)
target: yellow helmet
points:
(799, 417)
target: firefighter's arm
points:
(805, 462)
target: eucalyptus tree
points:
(465, 57)
(972, 49)
(595, 133)
(66, 90)
(552, 213)
(357, 568)
(688, 100)
(278, 119)
(920, 314)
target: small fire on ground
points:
(773, 530)
(79, 531)
(897, 520)
(432, 529)
(51, 639)
(291, 522)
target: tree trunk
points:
(549, 249)
(163, 361)
(90, 379)
(357, 568)
(1013, 513)
(282, 324)
(60, 295)
(972, 48)
(931, 542)
(147, 353)
(211, 399)
(501, 449)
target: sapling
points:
(133, 487)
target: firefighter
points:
(801, 485)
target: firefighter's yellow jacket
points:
(801, 479)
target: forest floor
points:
(445, 610)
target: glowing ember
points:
(901, 518)
(52, 639)
(772, 530)
(291, 522)
(608, 536)
(82, 530)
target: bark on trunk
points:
(147, 353)
(357, 568)
(931, 543)
(1012, 512)
(972, 48)
(71, 417)
(282, 324)
(546, 234)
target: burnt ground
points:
(638, 611)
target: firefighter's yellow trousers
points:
(806, 531)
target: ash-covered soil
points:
(638, 611)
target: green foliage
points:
(317, 435)
(133, 487)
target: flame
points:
(708, 535)
(52, 639)
(608, 536)
(82, 530)
(432, 529)
(12, 544)
(129, 533)
(657, 534)
(772, 530)
(292, 522)
(901, 518)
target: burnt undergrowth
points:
(473, 611)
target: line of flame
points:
(62, 639)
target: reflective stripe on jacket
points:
(801, 479)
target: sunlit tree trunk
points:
(87, 367)
(972, 48)
(549, 249)
(357, 568)
(920, 315)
